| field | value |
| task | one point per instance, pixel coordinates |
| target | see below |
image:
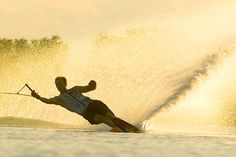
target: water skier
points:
(95, 111)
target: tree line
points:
(35, 45)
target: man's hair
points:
(61, 78)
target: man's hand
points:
(35, 95)
(92, 84)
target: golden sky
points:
(33, 18)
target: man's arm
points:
(45, 100)
(91, 86)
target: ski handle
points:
(28, 87)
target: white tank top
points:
(74, 101)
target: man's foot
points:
(125, 126)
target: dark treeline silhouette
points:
(36, 45)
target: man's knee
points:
(98, 118)
(110, 115)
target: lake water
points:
(38, 142)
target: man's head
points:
(61, 83)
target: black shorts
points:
(95, 108)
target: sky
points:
(72, 18)
(41, 17)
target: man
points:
(94, 111)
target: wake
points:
(209, 63)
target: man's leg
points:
(104, 115)
(119, 123)
(104, 119)
(110, 115)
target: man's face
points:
(60, 84)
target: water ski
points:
(124, 126)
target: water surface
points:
(32, 142)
